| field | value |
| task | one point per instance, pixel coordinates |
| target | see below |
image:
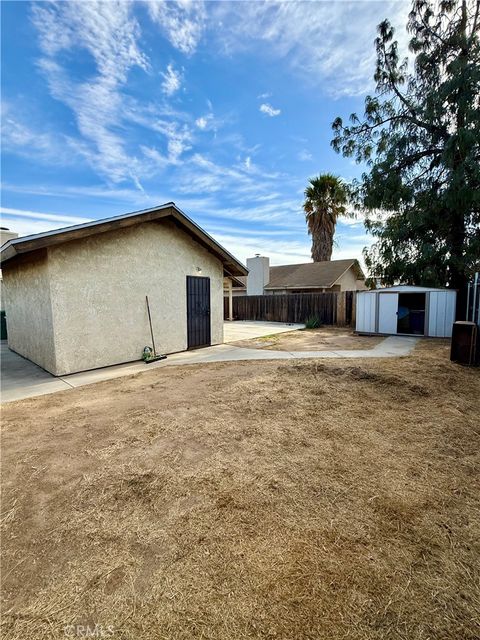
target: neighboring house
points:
(75, 297)
(310, 277)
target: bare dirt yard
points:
(283, 501)
(322, 339)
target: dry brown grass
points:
(320, 499)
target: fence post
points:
(354, 310)
(341, 308)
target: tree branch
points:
(406, 103)
(430, 30)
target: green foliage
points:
(325, 200)
(313, 322)
(420, 138)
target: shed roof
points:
(407, 288)
(311, 275)
(25, 244)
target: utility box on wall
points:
(406, 310)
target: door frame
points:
(427, 312)
(426, 317)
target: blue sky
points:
(223, 107)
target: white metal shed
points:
(406, 310)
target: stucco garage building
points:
(75, 297)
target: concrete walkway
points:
(23, 379)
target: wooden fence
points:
(295, 307)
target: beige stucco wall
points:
(348, 281)
(84, 307)
(27, 302)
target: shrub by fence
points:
(295, 307)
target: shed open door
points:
(387, 312)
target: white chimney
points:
(6, 235)
(258, 275)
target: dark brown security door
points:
(198, 312)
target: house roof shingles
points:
(310, 275)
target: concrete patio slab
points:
(21, 379)
(248, 329)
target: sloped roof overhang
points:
(19, 246)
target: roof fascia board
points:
(25, 244)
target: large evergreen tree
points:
(420, 136)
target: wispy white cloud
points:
(204, 122)
(279, 251)
(201, 122)
(200, 175)
(25, 222)
(172, 127)
(304, 155)
(326, 43)
(24, 140)
(159, 160)
(182, 22)
(172, 81)
(112, 194)
(268, 110)
(178, 136)
(25, 213)
(108, 32)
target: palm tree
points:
(325, 200)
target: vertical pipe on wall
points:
(475, 288)
(467, 313)
(230, 300)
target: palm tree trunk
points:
(322, 245)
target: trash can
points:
(465, 348)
